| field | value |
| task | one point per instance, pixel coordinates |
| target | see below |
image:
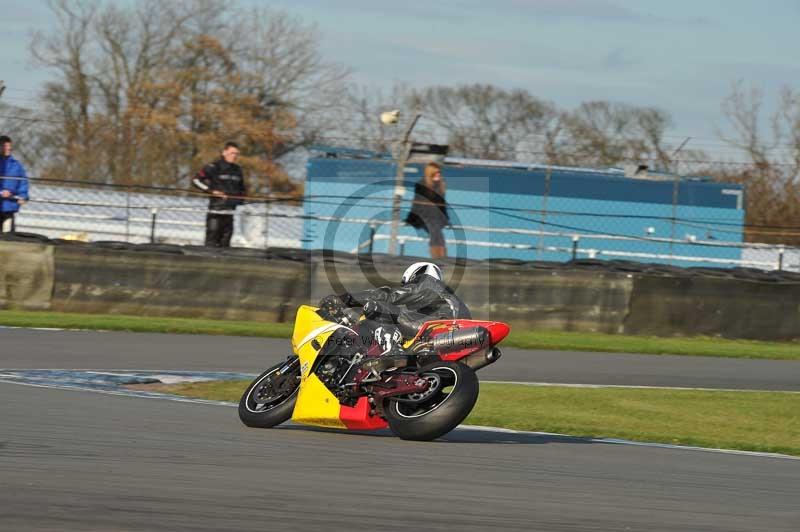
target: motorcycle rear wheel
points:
(264, 406)
(448, 405)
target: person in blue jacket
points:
(13, 185)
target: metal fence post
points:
(676, 167)
(575, 240)
(128, 214)
(675, 188)
(153, 216)
(781, 251)
(543, 218)
(372, 230)
(399, 189)
(266, 221)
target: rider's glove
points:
(331, 308)
(371, 309)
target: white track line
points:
(614, 441)
(635, 387)
(636, 443)
(155, 372)
(124, 393)
(48, 328)
(128, 370)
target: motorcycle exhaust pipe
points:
(480, 360)
(455, 340)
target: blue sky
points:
(681, 56)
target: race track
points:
(83, 461)
(76, 460)
(37, 349)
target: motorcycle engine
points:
(333, 372)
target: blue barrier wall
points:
(545, 207)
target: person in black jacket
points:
(224, 182)
(429, 210)
(423, 297)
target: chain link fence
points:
(518, 211)
(498, 211)
(92, 212)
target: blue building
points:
(529, 212)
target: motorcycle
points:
(339, 379)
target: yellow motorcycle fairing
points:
(316, 405)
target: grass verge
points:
(749, 421)
(106, 322)
(654, 345)
(556, 340)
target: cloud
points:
(445, 10)
(598, 10)
(584, 9)
(619, 59)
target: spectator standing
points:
(223, 181)
(429, 210)
(13, 185)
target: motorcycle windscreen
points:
(307, 326)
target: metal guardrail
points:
(146, 228)
(575, 250)
(175, 217)
(125, 215)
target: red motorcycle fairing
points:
(358, 417)
(497, 332)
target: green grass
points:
(750, 421)
(106, 322)
(571, 341)
(654, 345)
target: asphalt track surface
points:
(75, 460)
(38, 349)
(72, 460)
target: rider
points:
(422, 297)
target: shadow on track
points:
(459, 435)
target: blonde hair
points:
(432, 169)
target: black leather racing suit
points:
(412, 305)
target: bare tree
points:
(356, 117)
(287, 73)
(485, 121)
(602, 133)
(66, 101)
(20, 123)
(189, 73)
(488, 122)
(772, 144)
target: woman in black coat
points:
(429, 210)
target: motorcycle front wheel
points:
(270, 398)
(434, 413)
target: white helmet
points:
(419, 268)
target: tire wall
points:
(269, 286)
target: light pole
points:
(399, 189)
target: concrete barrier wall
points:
(732, 308)
(26, 275)
(268, 286)
(162, 284)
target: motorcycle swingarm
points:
(401, 384)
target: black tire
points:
(266, 415)
(443, 411)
